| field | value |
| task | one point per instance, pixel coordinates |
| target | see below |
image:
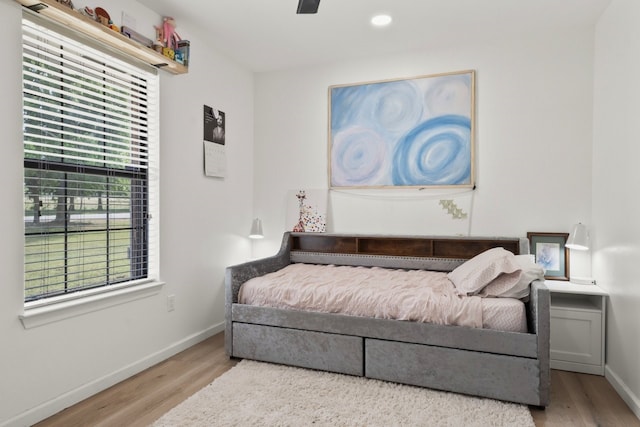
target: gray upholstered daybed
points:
(511, 366)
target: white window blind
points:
(90, 171)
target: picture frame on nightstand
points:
(551, 253)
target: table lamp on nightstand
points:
(579, 240)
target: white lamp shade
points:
(579, 238)
(256, 229)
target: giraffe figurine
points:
(299, 227)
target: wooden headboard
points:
(409, 246)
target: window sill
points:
(39, 313)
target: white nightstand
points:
(578, 316)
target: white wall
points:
(616, 205)
(534, 133)
(534, 111)
(203, 224)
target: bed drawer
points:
(307, 349)
(491, 375)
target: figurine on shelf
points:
(170, 38)
(184, 47)
(159, 36)
(67, 3)
(168, 52)
(113, 26)
(102, 16)
(88, 12)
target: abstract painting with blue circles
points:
(414, 132)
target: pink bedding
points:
(413, 295)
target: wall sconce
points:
(256, 229)
(579, 238)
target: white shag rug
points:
(263, 394)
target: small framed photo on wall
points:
(551, 253)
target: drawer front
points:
(306, 349)
(576, 336)
(496, 376)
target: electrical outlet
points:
(171, 302)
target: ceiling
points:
(267, 35)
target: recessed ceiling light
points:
(381, 20)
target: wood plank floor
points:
(576, 399)
(145, 397)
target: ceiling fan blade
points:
(308, 6)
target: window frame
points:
(143, 283)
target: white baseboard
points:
(625, 393)
(72, 397)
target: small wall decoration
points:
(215, 160)
(416, 132)
(307, 211)
(452, 209)
(551, 254)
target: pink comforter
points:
(415, 295)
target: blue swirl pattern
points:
(359, 157)
(436, 152)
(403, 133)
(387, 108)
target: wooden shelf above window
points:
(75, 20)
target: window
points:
(90, 179)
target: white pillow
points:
(497, 266)
(530, 272)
